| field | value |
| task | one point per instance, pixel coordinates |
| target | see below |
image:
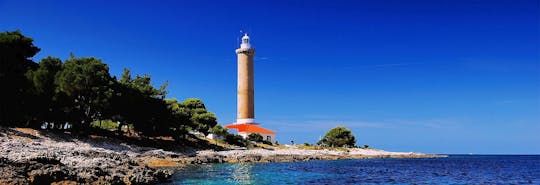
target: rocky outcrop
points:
(46, 170)
(46, 160)
(246, 156)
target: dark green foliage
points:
(143, 84)
(15, 53)
(194, 103)
(47, 103)
(80, 92)
(138, 103)
(201, 120)
(237, 140)
(258, 138)
(218, 130)
(86, 83)
(338, 137)
(105, 124)
(204, 121)
(255, 137)
(44, 76)
(180, 117)
(267, 142)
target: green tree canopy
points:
(201, 119)
(194, 103)
(47, 105)
(87, 82)
(16, 51)
(218, 130)
(81, 90)
(43, 77)
(181, 117)
(255, 137)
(137, 102)
(204, 121)
(338, 137)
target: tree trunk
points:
(119, 128)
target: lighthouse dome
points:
(245, 37)
(245, 42)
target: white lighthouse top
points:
(245, 42)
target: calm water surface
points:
(455, 169)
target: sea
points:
(454, 169)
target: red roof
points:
(251, 128)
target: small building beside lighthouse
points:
(245, 129)
(245, 122)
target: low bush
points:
(255, 137)
(267, 142)
(237, 140)
(338, 137)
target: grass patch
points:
(159, 162)
(265, 146)
(105, 124)
(218, 142)
(310, 147)
(314, 147)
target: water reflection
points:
(241, 173)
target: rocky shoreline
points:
(294, 155)
(29, 156)
(32, 158)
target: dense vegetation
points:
(79, 93)
(338, 137)
(255, 137)
(258, 138)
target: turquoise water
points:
(455, 169)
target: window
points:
(268, 138)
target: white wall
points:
(214, 137)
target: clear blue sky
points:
(429, 76)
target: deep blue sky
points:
(427, 76)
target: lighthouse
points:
(245, 120)
(246, 88)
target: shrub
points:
(255, 137)
(218, 130)
(267, 142)
(338, 137)
(105, 124)
(235, 140)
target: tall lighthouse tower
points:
(246, 87)
(245, 121)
